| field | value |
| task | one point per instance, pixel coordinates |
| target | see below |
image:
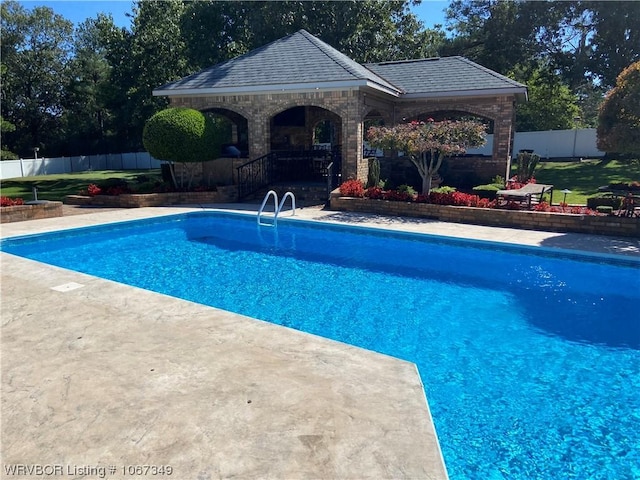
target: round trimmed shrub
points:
(182, 134)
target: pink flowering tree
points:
(428, 143)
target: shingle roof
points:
(444, 76)
(295, 61)
(302, 61)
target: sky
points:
(430, 12)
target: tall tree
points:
(497, 34)
(551, 104)
(367, 30)
(213, 32)
(35, 52)
(87, 117)
(586, 43)
(619, 117)
(157, 55)
(6, 127)
(616, 38)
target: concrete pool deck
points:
(97, 374)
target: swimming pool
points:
(530, 361)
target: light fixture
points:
(564, 200)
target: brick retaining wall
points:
(137, 200)
(19, 213)
(557, 222)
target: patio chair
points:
(530, 194)
(630, 206)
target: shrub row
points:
(444, 196)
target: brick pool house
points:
(280, 96)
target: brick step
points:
(306, 194)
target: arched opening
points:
(305, 139)
(303, 127)
(237, 137)
(234, 151)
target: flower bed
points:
(448, 196)
(465, 208)
(10, 202)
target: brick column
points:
(503, 133)
(352, 137)
(259, 136)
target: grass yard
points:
(56, 187)
(584, 178)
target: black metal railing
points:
(334, 174)
(290, 166)
(256, 174)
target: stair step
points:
(311, 194)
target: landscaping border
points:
(138, 200)
(529, 220)
(34, 211)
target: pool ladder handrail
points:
(277, 207)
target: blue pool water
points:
(530, 360)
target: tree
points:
(155, 56)
(35, 56)
(551, 105)
(619, 117)
(428, 143)
(497, 34)
(5, 127)
(367, 31)
(578, 40)
(616, 38)
(183, 135)
(87, 117)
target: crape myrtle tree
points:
(619, 116)
(183, 135)
(428, 143)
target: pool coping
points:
(222, 395)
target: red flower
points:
(352, 188)
(93, 190)
(10, 202)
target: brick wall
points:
(19, 213)
(555, 222)
(135, 200)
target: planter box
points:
(34, 211)
(137, 200)
(557, 222)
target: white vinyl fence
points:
(578, 143)
(26, 167)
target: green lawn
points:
(584, 178)
(56, 187)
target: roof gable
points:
(437, 77)
(296, 61)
